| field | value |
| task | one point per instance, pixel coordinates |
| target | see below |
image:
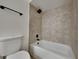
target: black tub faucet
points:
(38, 41)
(37, 35)
(37, 38)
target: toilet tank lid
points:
(4, 38)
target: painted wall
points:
(11, 23)
(58, 25)
(35, 24)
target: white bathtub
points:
(50, 50)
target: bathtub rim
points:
(67, 46)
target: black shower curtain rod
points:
(3, 7)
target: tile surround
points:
(58, 25)
(35, 24)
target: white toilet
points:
(19, 55)
(10, 46)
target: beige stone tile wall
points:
(59, 25)
(35, 24)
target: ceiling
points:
(48, 4)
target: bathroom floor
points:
(32, 57)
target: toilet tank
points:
(10, 44)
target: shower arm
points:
(3, 7)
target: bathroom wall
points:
(58, 26)
(35, 24)
(12, 23)
(75, 28)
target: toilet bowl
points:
(19, 55)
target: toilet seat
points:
(19, 55)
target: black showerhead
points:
(39, 11)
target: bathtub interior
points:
(41, 53)
(55, 48)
